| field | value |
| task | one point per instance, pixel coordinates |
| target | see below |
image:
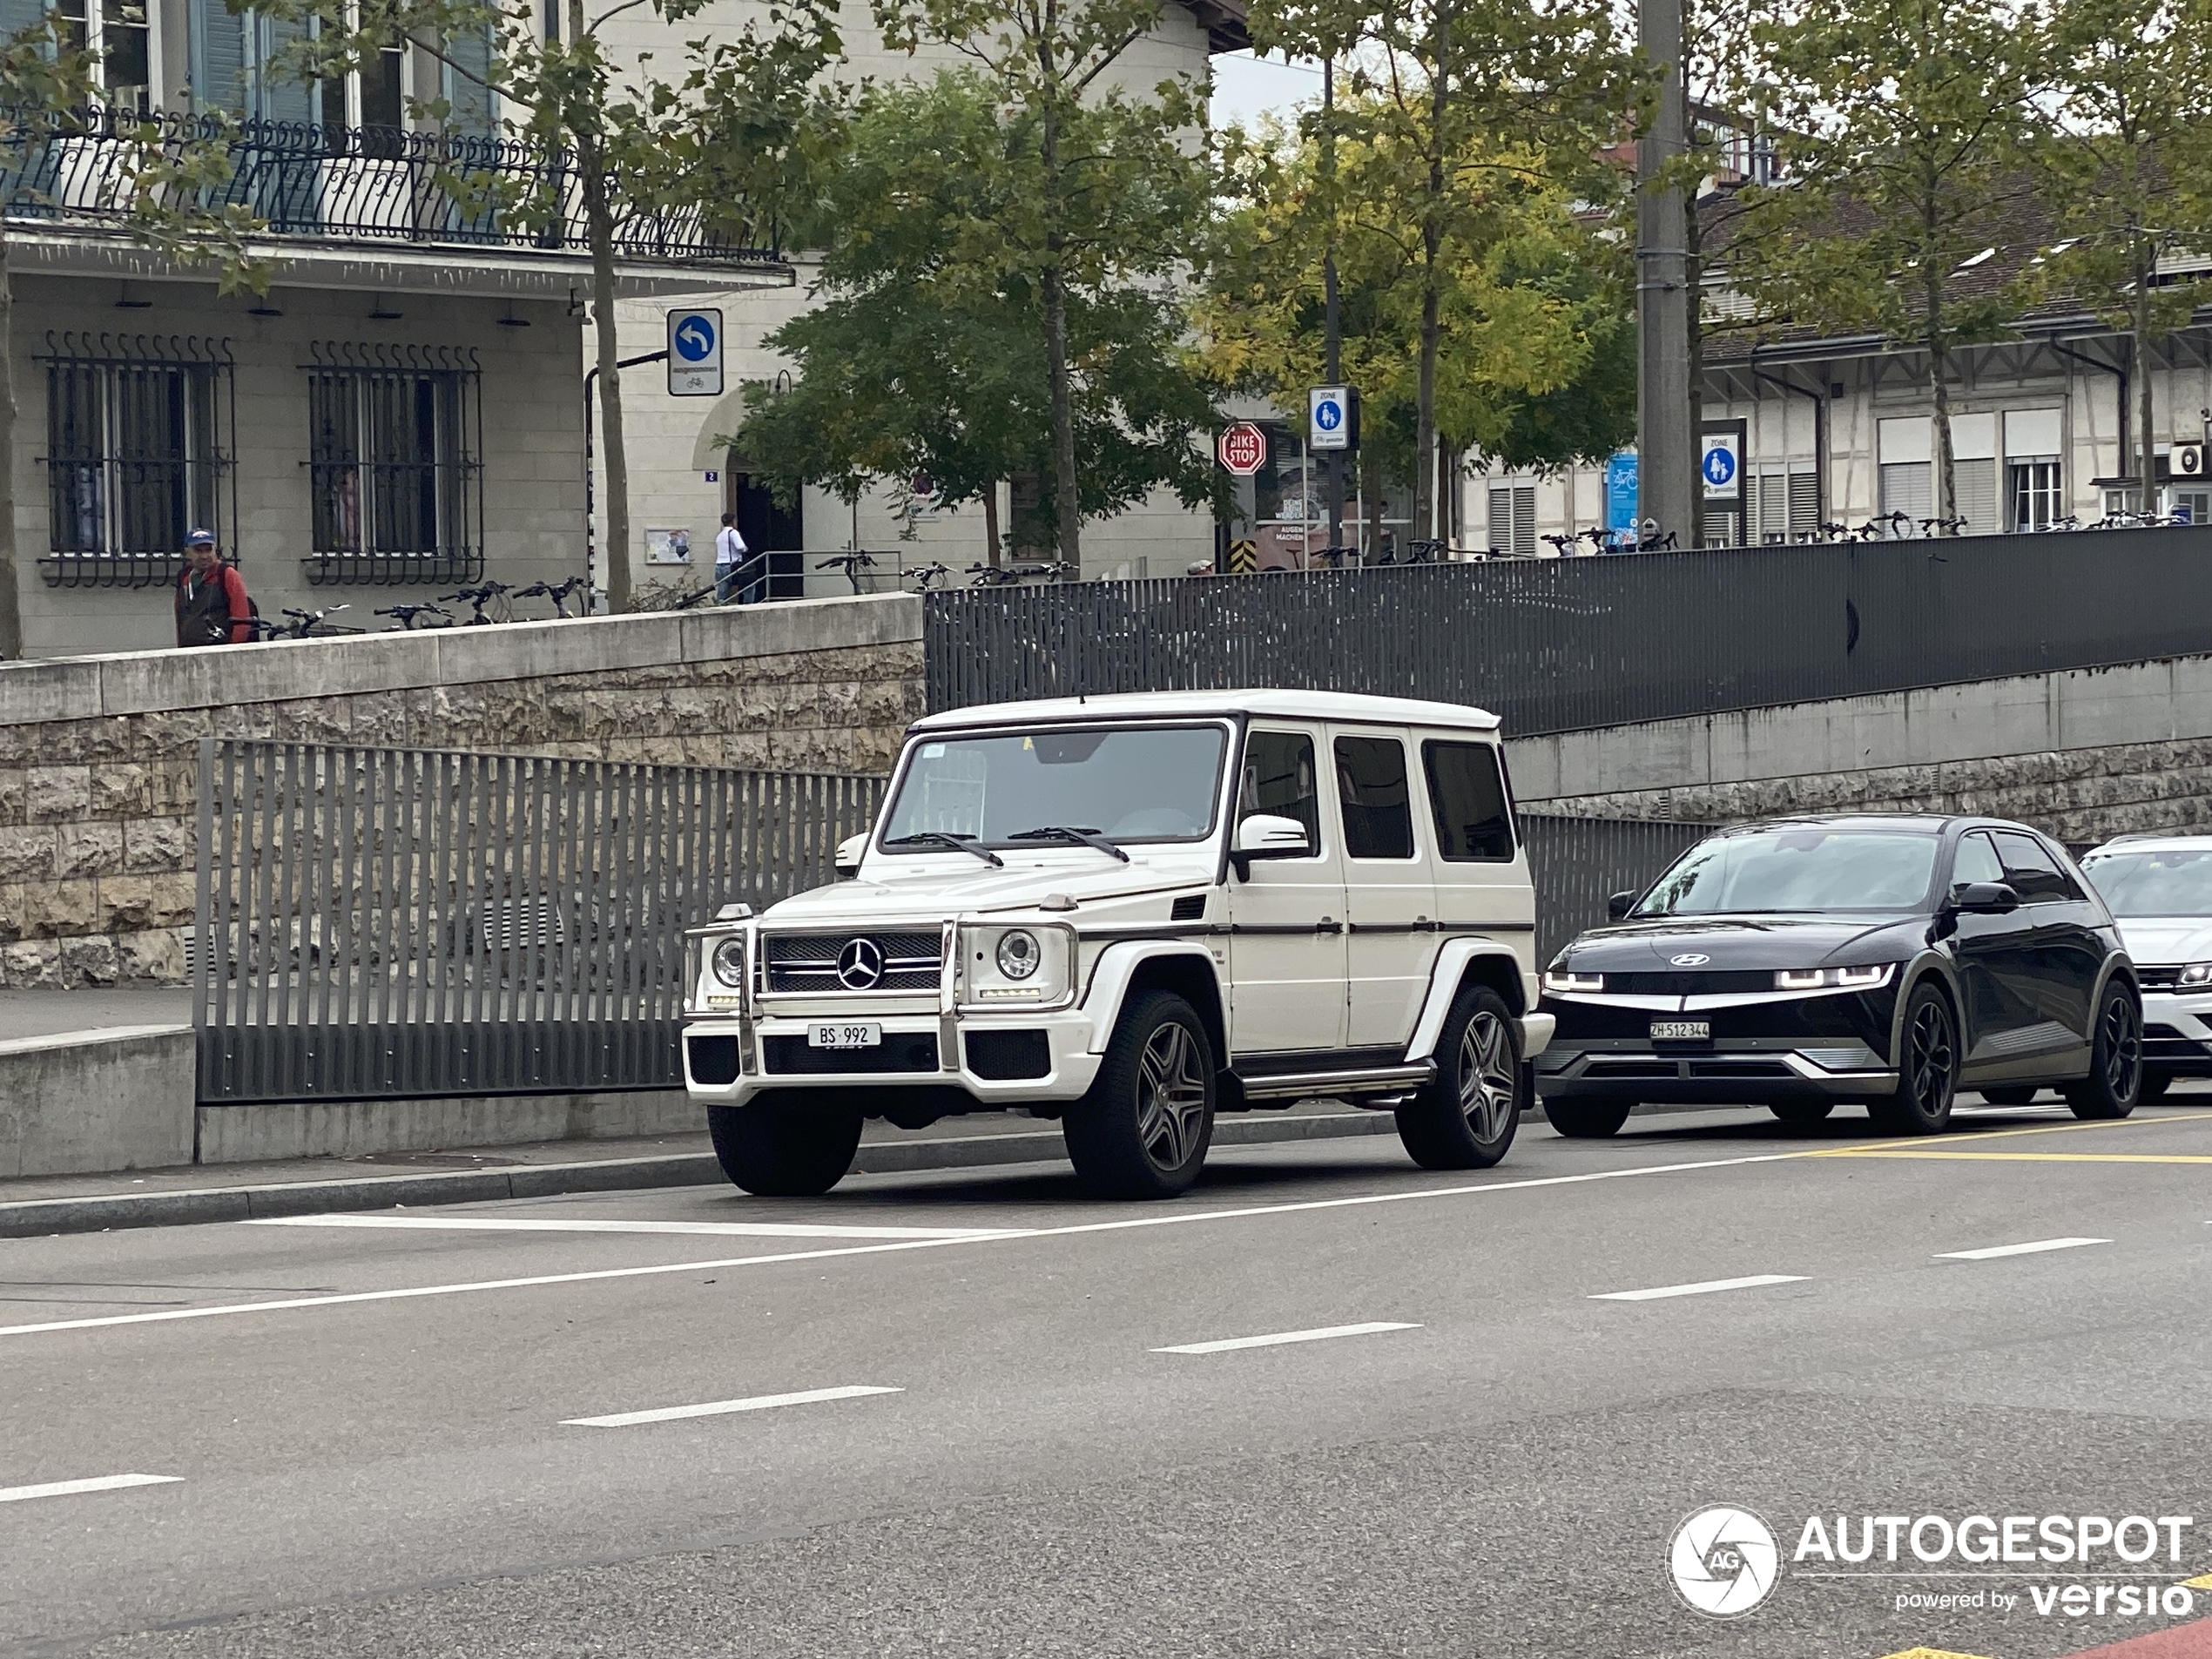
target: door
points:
(1996, 961)
(1287, 943)
(1389, 888)
(2065, 953)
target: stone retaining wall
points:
(98, 755)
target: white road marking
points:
(1700, 1289)
(98, 1483)
(2034, 1248)
(528, 1224)
(717, 1407)
(1281, 1337)
(1170, 1219)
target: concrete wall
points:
(532, 440)
(106, 1100)
(352, 1127)
(98, 755)
(2084, 755)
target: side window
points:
(1977, 860)
(1279, 778)
(1468, 793)
(1378, 810)
(2033, 872)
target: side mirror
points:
(849, 852)
(1264, 835)
(1983, 898)
(1619, 905)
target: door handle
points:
(1326, 925)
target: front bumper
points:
(2177, 1032)
(1764, 1047)
(727, 1061)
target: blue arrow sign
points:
(695, 340)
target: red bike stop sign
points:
(1242, 448)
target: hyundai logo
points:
(1688, 959)
(859, 965)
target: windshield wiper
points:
(1074, 837)
(958, 843)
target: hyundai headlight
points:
(1562, 979)
(728, 963)
(1872, 977)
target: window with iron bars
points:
(395, 435)
(138, 431)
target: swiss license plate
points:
(1681, 1030)
(844, 1034)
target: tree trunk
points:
(1056, 354)
(991, 523)
(11, 598)
(599, 228)
(1424, 462)
(2145, 260)
(1943, 478)
(1694, 305)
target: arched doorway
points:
(768, 528)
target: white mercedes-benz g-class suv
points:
(1130, 913)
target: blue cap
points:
(199, 538)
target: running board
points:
(1372, 1081)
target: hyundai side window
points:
(1279, 778)
(1378, 808)
(1977, 862)
(2034, 874)
(1466, 791)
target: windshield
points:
(1797, 870)
(2177, 882)
(1143, 783)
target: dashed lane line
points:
(534, 1224)
(97, 1483)
(1704, 1287)
(1324, 1334)
(1992, 1252)
(721, 1407)
(1170, 1219)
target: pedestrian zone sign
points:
(1720, 466)
(1330, 422)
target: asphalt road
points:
(370, 1441)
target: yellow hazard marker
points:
(1244, 558)
(1930, 1653)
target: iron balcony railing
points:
(381, 184)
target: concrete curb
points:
(102, 1212)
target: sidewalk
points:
(541, 1169)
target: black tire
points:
(2015, 1095)
(1927, 1084)
(1587, 1120)
(1801, 1111)
(2115, 1057)
(1143, 1130)
(1464, 1118)
(779, 1149)
(2154, 1085)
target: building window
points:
(394, 440)
(1907, 489)
(1789, 505)
(2033, 492)
(2190, 506)
(1513, 519)
(115, 32)
(137, 453)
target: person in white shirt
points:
(730, 554)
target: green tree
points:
(727, 146)
(2125, 172)
(1089, 188)
(1904, 125)
(1461, 115)
(1532, 356)
(165, 186)
(933, 353)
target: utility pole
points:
(1333, 349)
(1666, 446)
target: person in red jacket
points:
(211, 605)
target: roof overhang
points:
(1227, 23)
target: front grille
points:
(1739, 1068)
(808, 963)
(2158, 979)
(1681, 984)
(899, 1051)
(1645, 1068)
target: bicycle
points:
(926, 576)
(406, 615)
(852, 564)
(558, 592)
(1007, 576)
(304, 624)
(478, 598)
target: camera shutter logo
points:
(859, 965)
(1723, 1560)
(1690, 958)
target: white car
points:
(1130, 913)
(2159, 889)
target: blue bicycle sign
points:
(695, 354)
(694, 339)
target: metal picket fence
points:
(390, 922)
(1578, 863)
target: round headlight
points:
(729, 962)
(1018, 953)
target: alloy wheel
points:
(1932, 1056)
(1172, 1096)
(2123, 1047)
(1487, 1082)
